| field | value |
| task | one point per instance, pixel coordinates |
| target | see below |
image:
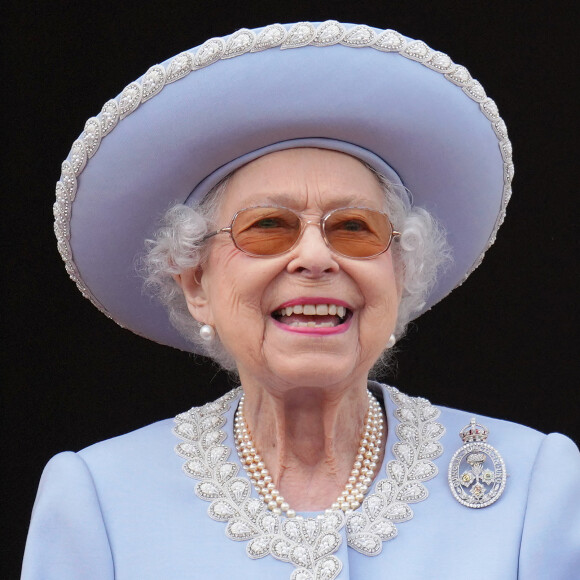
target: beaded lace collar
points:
(310, 543)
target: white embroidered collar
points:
(310, 543)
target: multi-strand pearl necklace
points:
(361, 475)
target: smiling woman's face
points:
(258, 305)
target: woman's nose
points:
(311, 255)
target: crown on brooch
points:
(473, 432)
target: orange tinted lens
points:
(265, 231)
(358, 233)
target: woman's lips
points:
(315, 330)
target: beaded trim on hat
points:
(241, 42)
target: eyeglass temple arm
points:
(226, 230)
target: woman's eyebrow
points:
(292, 201)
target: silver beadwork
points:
(329, 33)
(309, 543)
(359, 36)
(130, 99)
(92, 136)
(179, 67)
(301, 34)
(240, 42)
(209, 52)
(153, 82)
(109, 117)
(272, 36)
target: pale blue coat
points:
(123, 509)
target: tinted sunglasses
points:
(353, 232)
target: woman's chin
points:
(318, 368)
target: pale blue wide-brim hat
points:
(409, 111)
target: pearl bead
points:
(207, 332)
(290, 513)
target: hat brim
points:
(171, 135)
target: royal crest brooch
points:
(477, 474)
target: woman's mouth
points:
(324, 315)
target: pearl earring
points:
(207, 332)
(391, 341)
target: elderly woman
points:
(320, 192)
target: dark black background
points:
(503, 344)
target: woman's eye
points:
(353, 226)
(268, 223)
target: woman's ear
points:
(195, 294)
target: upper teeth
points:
(312, 309)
